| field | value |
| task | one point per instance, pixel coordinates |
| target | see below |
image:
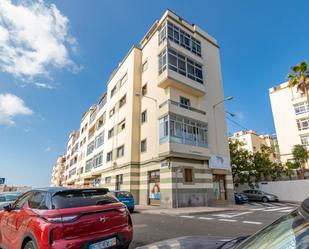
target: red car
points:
(61, 218)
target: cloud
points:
(34, 37)
(43, 85)
(11, 106)
(240, 115)
(48, 149)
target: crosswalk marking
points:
(187, 216)
(252, 222)
(286, 211)
(227, 220)
(276, 209)
(205, 218)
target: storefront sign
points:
(2, 180)
(219, 162)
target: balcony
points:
(170, 78)
(171, 106)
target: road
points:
(149, 228)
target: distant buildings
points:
(58, 171)
(7, 188)
(291, 117)
(159, 130)
(253, 142)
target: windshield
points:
(289, 232)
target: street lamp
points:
(145, 96)
(231, 114)
(214, 116)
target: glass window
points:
(108, 179)
(303, 124)
(162, 61)
(184, 102)
(90, 148)
(143, 145)
(112, 112)
(144, 90)
(98, 160)
(301, 108)
(305, 139)
(22, 200)
(88, 166)
(99, 140)
(120, 151)
(122, 101)
(110, 133)
(144, 116)
(109, 156)
(121, 126)
(123, 79)
(145, 66)
(38, 201)
(113, 91)
(162, 33)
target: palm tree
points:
(299, 78)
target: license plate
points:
(104, 244)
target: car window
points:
(82, 197)
(2, 198)
(291, 231)
(38, 201)
(124, 194)
(22, 200)
(12, 197)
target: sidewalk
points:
(188, 210)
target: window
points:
(119, 181)
(178, 129)
(101, 121)
(180, 37)
(90, 148)
(112, 112)
(122, 101)
(88, 166)
(109, 156)
(301, 108)
(72, 172)
(123, 79)
(97, 160)
(121, 126)
(110, 133)
(145, 66)
(38, 201)
(120, 151)
(180, 64)
(108, 179)
(184, 102)
(143, 145)
(188, 175)
(144, 116)
(113, 91)
(303, 124)
(305, 139)
(99, 140)
(22, 200)
(144, 90)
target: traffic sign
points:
(2, 181)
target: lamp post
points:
(214, 116)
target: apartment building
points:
(58, 171)
(253, 142)
(291, 117)
(158, 131)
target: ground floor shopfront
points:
(174, 182)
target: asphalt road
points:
(149, 228)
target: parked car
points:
(55, 218)
(289, 231)
(258, 195)
(240, 198)
(125, 197)
(8, 197)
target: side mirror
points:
(7, 208)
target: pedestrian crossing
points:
(272, 207)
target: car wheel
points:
(264, 199)
(30, 245)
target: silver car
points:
(258, 195)
(7, 198)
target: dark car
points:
(258, 195)
(240, 198)
(56, 218)
(8, 197)
(126, 198)
(289, 231)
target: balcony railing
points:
(182, 106)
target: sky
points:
(56, 57)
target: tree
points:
(299, 78)
(301, 157)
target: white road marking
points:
(187, 216)
(231, 215)
(140, 225)
(205, 218)
(257, 209)
(227, 220)
(276, 209)
(286, 211)
(252, 222)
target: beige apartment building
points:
(291, 117)
(58, 172)
(253, 142)
(158, 131)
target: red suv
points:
(61, 218)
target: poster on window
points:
(154, 191)
(219, 162)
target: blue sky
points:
(49, 75)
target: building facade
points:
(157, 130)
(253, 142)
(291, 117)
(57, 172)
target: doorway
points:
(154, 192)
(219, 184)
